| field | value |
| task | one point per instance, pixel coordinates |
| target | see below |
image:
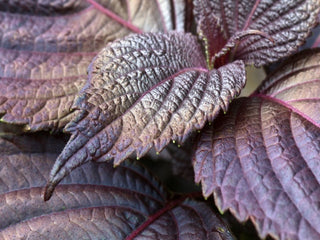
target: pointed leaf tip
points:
(81, 208)
(136, 98)
(268, 145)
(48, 191)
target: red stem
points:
(154, 217)
(246, 25)
(114, 16)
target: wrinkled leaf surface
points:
(287, 22)
(145, 91)
(96, 201)
(46, 47)
(262, 159)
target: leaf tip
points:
(48, 191)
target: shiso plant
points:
(158, 80)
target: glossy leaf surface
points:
(46, 47)
(287, 22)
(96, 201)
(262, 159)
(145, 91)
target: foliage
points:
(156, 79)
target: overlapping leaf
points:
(46, 47)
(262, 159)
(145, 91)
(287, 23)
(209, 29)
(94, 202)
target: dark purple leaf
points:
(96, 201)
(46, 47)
(209, 30)
(145, 91)
(262, 159)
(287, 22)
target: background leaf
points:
(96, 201)
(288, 23)
(261, 160)
(145, 91)
(46, 47)
(38, 89)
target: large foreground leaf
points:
(96, 201)
(46, 47)
(262, 159)
(145, 91)
(287, 22)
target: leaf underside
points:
(262, 159)
(46, 47)
(288, 23)
(145, 91)
(95, 201)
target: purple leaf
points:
(145, 91)
(96, 201)
(43, 8)
(210, 30)
(288, 23)
(38, 89)
(261, 160)
(45, 50)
